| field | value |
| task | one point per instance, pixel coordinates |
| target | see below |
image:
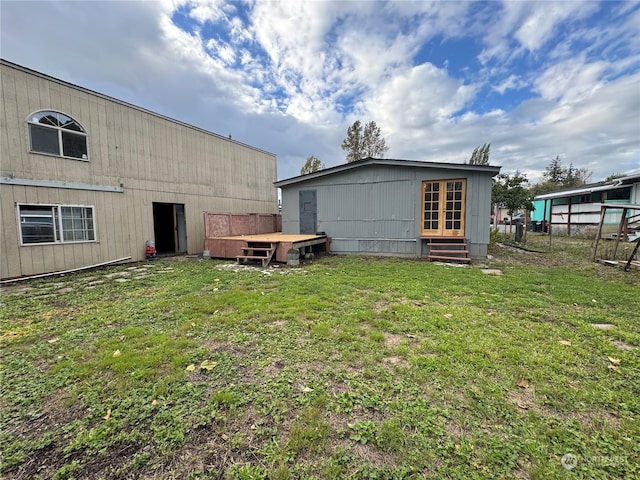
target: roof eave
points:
(492, 169)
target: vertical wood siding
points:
(154, 158)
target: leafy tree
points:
(512, 192)
(480, 155)
(363, 142)
(313, 164)
(577, 177)
(353, 143)
(558, 177)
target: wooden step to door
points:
(448, 249)
(257, 251)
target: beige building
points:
(87, 179)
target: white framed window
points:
(42, 224)
(54, 133)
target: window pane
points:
(77, 224)
(44, 140)
(46, 118)
(74, 145)
(36, 224)
(70, 124)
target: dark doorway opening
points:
(169, 228)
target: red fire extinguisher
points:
(150, 249)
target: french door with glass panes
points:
(443, 208)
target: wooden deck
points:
(233, 246)
(272, 237)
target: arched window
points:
(55, 133)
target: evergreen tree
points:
(555, 173)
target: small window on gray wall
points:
(55, 133)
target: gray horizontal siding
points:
(374, 246)
(378, 208)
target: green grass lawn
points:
(347, 367)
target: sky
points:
(536, 80)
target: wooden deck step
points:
(257, 251)
(453, 252)
(448, 249)
(450, 259)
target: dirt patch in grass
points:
(622, 345)
(114, 464)
(381, 305)
(235, 350)
(274, 368)
(41, 464)
(15, 289)
(46, 461)
(374, 456)
(207, 452)
(277, 324)
(595, 420)
(524, 400)
(56, 411)
(393, 340)
(396, 362)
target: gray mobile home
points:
(87, 179)
(394, 207)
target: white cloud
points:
(208, 10)
(415, 99)
(571, 81)
(544, 17)
(285, 80)
(513, 82)
(528, 26)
